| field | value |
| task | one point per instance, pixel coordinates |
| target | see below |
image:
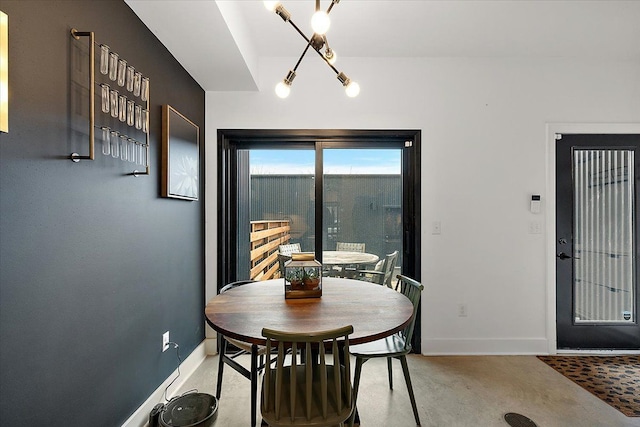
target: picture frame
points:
(180, 156)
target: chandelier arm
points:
(304, 52)
(333, 2)
(335, 70)
(307, 39)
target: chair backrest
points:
(389, 265)
(312, 393)
(412, 290)
(290, 249)
(350, 247)
(232, 285)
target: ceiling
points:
(221, 42)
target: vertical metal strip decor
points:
(603, 236)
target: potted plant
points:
(295, 277)
(311, 278)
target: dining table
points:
(342, 258)
(374, 311)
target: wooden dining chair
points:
(396, 346)
(383, 275)
(244, 348)
(314, 393)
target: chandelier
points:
(318, 41)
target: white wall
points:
(484, 135)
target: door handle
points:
(562, 255)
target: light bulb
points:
(320, 22)
(283, 90)
(271, 5)
(352, 90)
(331, 56)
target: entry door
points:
(597, 234)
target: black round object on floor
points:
(190, 410)
(518, 420)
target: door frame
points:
(226, 199)
(552, 129)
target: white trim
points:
(141, 416)
(552, 130)
(211, 346)
(599, 352)
(481, 347)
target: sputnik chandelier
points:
(320, 24)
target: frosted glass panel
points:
(604, 265)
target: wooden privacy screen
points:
(265, 237)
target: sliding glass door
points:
(317, 190)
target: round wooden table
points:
(374, 311)
(347, 258)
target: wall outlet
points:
(535, 227)
(436, 227)
(462, 310)
(165, 341)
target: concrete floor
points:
(450, 391)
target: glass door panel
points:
(281, 207)
(362, 205)
(604, 225)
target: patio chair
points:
(289, 249)
(382, 273)
(395, 346)
(243, 348)
(350, 247)
(313, 393)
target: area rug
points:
(614, 379)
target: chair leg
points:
(407, 379)
(254, 383)
(222, 348)
(356, 385)
(389, 368)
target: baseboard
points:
(482, 347)
(211, 346)
(140, 417)
(598, 352)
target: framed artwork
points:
(180, 156)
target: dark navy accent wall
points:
(94, 264)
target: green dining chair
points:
(383, 275)
(243, 348)
(314, 393)
(396, 346)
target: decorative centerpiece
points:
(302, 276)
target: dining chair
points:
(382, 273)
(253, 350)
(313, 393)
(350, 247)
(396, 346)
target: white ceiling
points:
(220, 42)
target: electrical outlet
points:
(462, 310)
(436, 227)
(165, 341)
(535, 227)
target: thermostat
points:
(535, 203)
